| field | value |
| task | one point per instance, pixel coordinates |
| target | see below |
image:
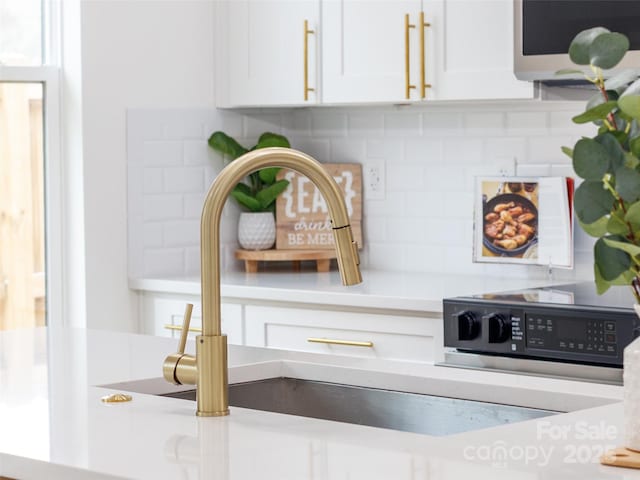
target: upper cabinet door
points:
(469, 50)
(369, 51)
(270, 48)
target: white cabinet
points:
(470, 55)
(162, 314)
(368, 48)
(268, 51)
(373, 335)
(308, 52)
(407, 51)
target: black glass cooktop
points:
(582, 295)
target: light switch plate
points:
(374, 180)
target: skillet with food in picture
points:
(510, 224)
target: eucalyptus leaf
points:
(614, 150)
(633, 215)
(630, 160)
(596, 229)
(629, 248)
(567, 151)
(579, 48)
(625, 278)
(617, 225)
(608, 49)
(634, 146)
(629, 101)
(590, 159)
(602, 285)
(592, 201)
(596, 113)
(611, 261)
(621, 79)
(222, 142)
(628, 183)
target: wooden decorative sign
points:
(302, 218)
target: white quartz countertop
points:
(53, 424)
(421, 292)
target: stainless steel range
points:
(564, 330)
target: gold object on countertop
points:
(423, 84)
(117, 398)
(331, 341)
(621, 457)
(407, 56)
(307, 32)
(168, 326)
(208, 368)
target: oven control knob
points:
(468, 325)
(499, 330)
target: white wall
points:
(430, 155)
(135, 53)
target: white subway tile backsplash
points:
(548, 149)
(153, 237)
(181, 233)
(431, 156)
(405, 178)
(405, 230)
(463, 150)
(482, 124)
(162, 207)
(402, 124)
(193, 205)
(257, 124)
(365, 124)
(198, 152)
(423, 151)
(164, 261)
(327, 124)
(162, 153)
(153, 180)
(184, 180)
(527, 123)
(441, 124)
(348, 151)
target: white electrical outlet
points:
(374, 184)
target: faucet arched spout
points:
(208, 369)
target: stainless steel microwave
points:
(544, 29)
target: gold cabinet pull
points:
(331, 341)
(407, 56)
(179, 327)
(307, 32)
(423, 84)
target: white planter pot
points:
(256, 231)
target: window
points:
(29, 165)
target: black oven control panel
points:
(538, 332)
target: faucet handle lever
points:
(185, 327)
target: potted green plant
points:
(607, 202)
(257, 194)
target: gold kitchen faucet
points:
(208, 368)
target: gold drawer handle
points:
(407, 57)
(423, 84)
(307, 32)
(179, 327)
(331, 341)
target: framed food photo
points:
(525, 220)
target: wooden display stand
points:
(252, 257)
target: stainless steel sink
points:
(407, 412)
